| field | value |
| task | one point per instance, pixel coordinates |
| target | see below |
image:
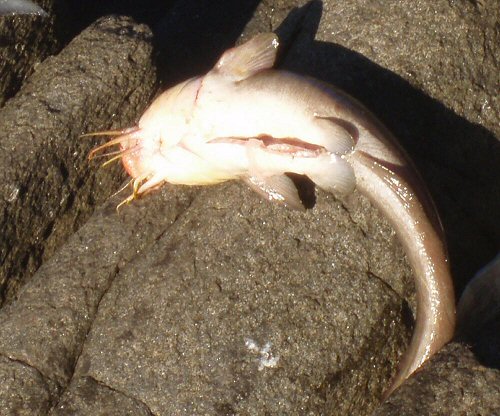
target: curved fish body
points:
(244, 120)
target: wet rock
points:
(42, 333)
(213, 302)
(453, 383)
(25, 41)
(48, 188)
(243, 308)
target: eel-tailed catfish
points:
(244, 120)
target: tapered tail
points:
(398, 193)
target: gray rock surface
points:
(25, 41)
(167, 307)
(453, 383)
(188, 309)
(92, 398)
(48, 188)
(24, 391)
(41, 335)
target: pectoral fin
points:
(278, 188)
(243, 61)
(340, 136)
(332, 174)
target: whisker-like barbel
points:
(109, 132)
(120, 154)
(110, 143)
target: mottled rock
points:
(25, 41)
(89, 397)
(452, 383)
(232, 272)
(105, 75)
(24, 391)
(224, 304)
(44, 330)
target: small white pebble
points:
(267, 359)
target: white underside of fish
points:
(246, 121)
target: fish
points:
(14, 7)
(245, 120)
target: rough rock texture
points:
(453, 383)
(92, 398)
(41, 335)
(429, 71)
(104, 76)
(210, 301)
(24, 390)
(187, 310)
(25, 41)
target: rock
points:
(93, 398)
(213, 302)
(24, 390)
(234, 271)
(48, 188)
(42, 333)
(452, 383)
(25, 41)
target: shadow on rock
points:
(459, 160)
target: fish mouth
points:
(130, 151)
(133, 156)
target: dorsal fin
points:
(243, 61)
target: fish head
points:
(162, 126)
(176, 117)
(167, 119)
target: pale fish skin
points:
(13, 7)
(243, 120)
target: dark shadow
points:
(72, 16)
(459, 160)
(188, 34)
(305, 188)
(194, 33)
(484, 341)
